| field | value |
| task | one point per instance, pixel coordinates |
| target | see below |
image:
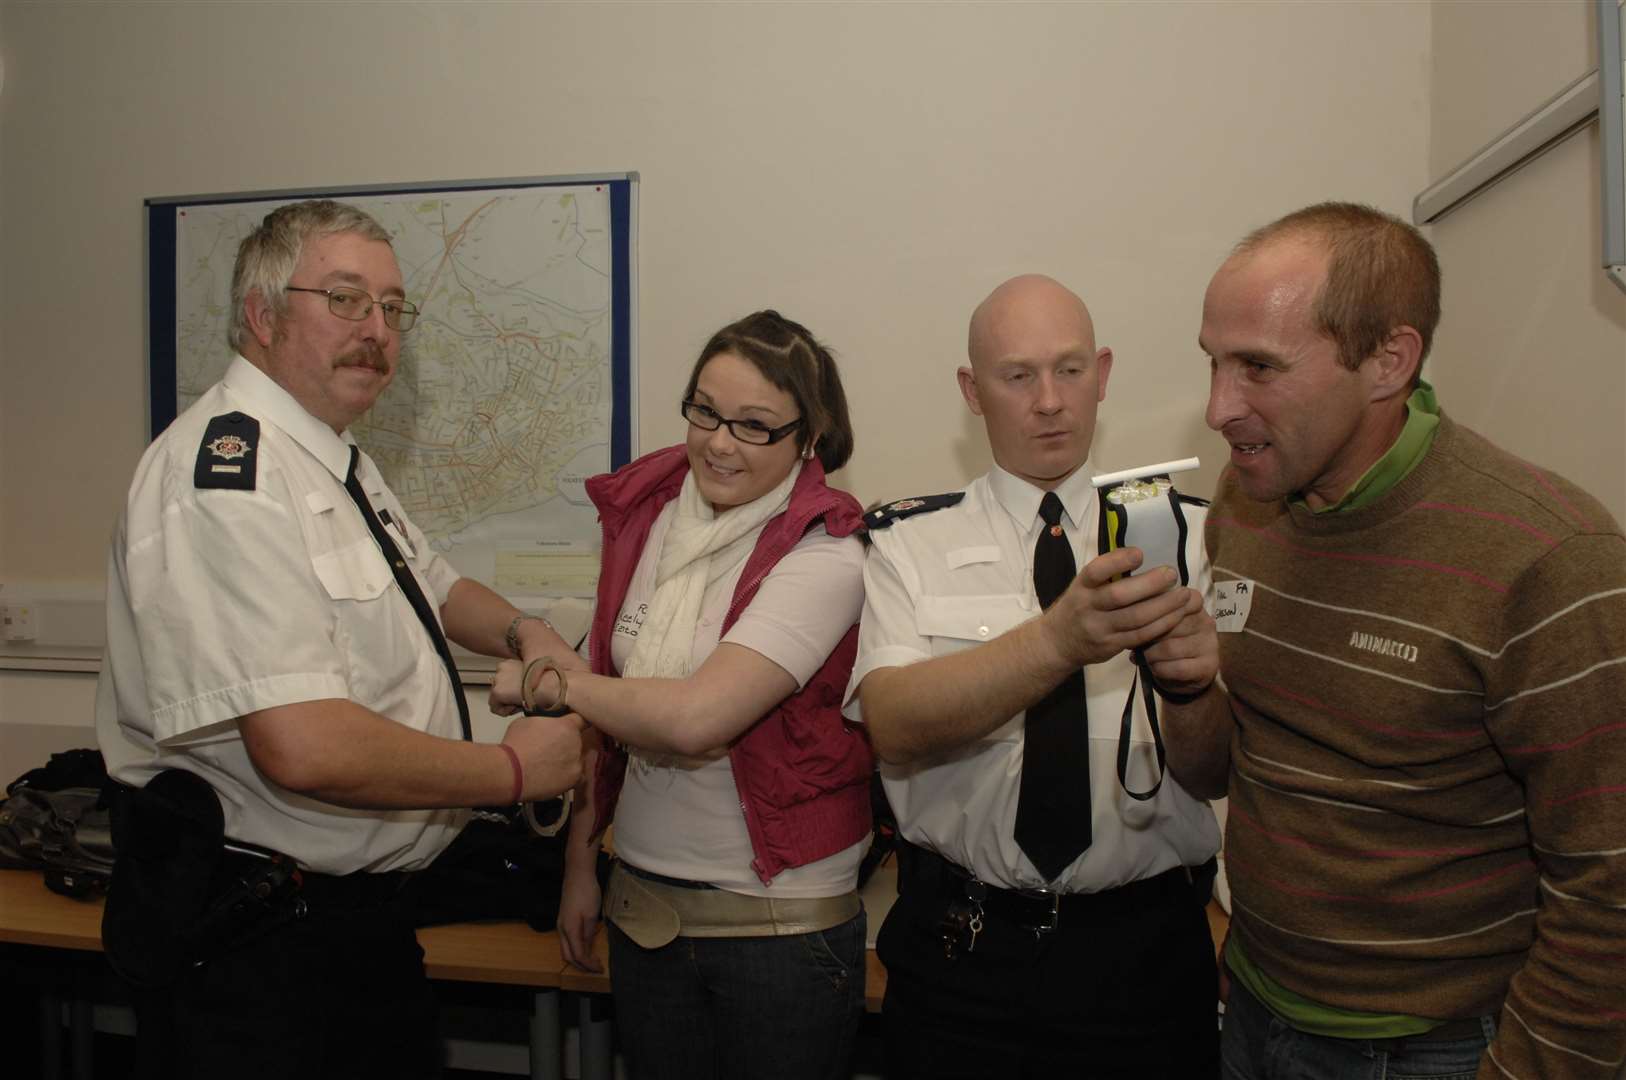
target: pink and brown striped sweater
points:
(1428, 786)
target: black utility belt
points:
(184, 893)
(920, 870)
(250, 862)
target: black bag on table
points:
(497, 868)
(53, 819)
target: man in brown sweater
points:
(1423, 651)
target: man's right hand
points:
(550, 753)
(1097, 617)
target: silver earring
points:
(807, 452)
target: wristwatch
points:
(512, 634)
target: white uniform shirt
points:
(224, 602)
(682, 818)
(951, 579)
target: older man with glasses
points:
(279, 709)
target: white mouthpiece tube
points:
(1166, 468)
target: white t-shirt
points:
(682, 817)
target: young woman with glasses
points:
(728, 595)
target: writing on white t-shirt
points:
(630, 619)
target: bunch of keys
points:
(962, 922)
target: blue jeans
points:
(1256, 1045)
(747, 1008)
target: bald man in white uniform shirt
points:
(1100, 963)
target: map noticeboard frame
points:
(551, 274)
(162, 294)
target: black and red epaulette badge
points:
(883, 516)
(226, 458)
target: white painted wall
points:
(871, 169)
(1532, 345)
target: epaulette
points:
(226, 457)
(883, 516)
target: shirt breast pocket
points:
(956, 623)
(356, 571)
(953, 623)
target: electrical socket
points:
(17, 621)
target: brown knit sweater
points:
(1428, 786)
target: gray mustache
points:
(370, 356)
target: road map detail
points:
(502, 407)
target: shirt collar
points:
(271, 402)
(1021, 498)
(1397, 463)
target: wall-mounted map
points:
(515, 384)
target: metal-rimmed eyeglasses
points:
(355, 305)
(746, 431)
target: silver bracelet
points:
(511, 637)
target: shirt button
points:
(982, 631)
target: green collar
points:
(1422, 420)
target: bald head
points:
(1035, 377)
(1020, 308)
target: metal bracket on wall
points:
(1568, 112)
(1598, 94)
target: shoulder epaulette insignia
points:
(226, 458)
(882, 516)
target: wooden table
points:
(31, 914)
(505, 953)
(1219, 924)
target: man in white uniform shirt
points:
(1064, 934)
(278, 707)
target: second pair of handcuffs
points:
(1141, 507)
(546, 821)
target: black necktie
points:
(409, 585)
(1053, 808)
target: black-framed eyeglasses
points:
(746, 431)
(355, 305)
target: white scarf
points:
(700, 547)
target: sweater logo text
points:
(1384, 646)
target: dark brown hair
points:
(791, 358)
(1381, 274)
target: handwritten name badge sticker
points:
(1232, 602)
